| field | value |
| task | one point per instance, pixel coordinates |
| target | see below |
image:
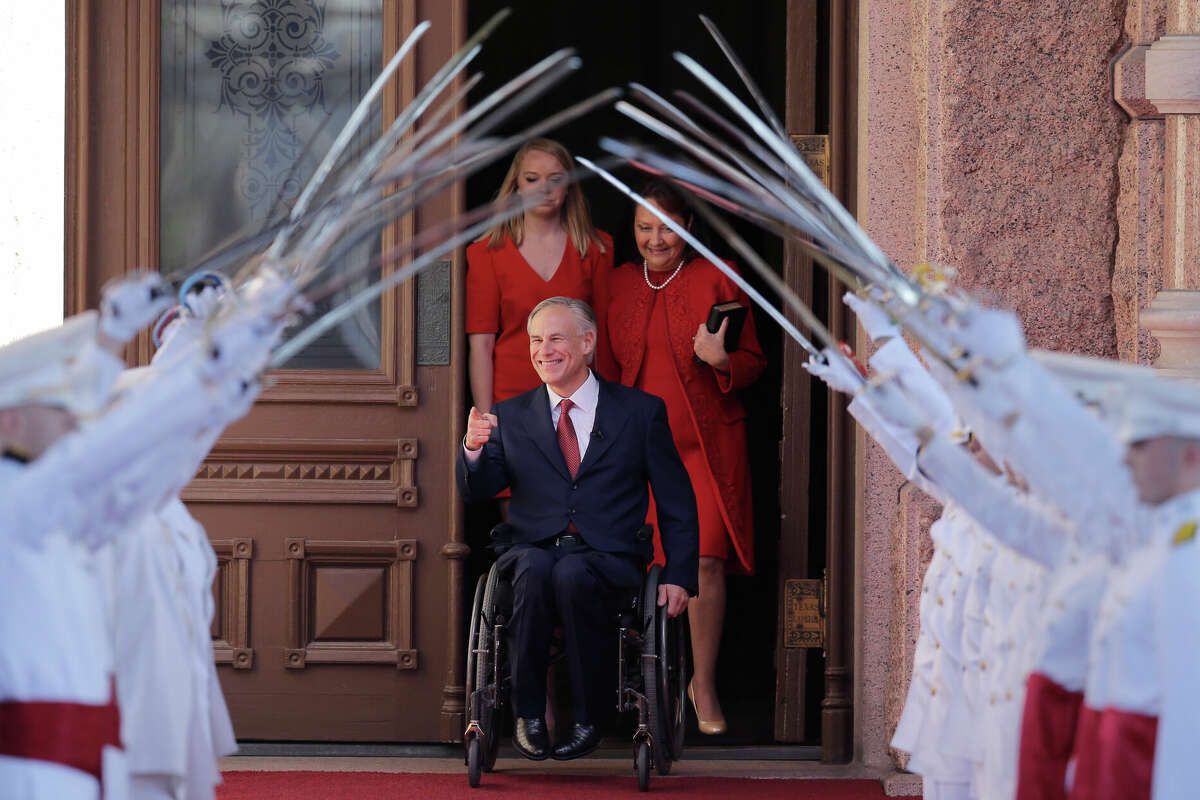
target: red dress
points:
(651, 335)
(502, 289)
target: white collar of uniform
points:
(1182, 508)
(584, 398)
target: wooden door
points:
(331, 506)
(816, 450)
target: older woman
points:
(657, 328)
(551, 250)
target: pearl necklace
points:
(663, 285)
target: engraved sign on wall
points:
(253, 93)
(814, 149)
(803, 620)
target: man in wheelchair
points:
(578, 454)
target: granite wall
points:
(989, 143)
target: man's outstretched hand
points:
(479, 428)
(675, 598)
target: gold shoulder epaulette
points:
(1186, 533)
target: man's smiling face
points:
(559, 350)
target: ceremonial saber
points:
(356, 119)
(531, 83)
(428, 125)
(311, 333)
(754, 147)
(777, 284)
(763, 106)
(757, 185)
(431, 236)
(752, 184)
(398, 204)
(742, 204)
(809, 182)
(448, 71)
(701, 248)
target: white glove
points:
(131, 303)
(894, 357)
(203, 303)
(271, 290)
(838, 371)
(875, 321)
(896, 408)
(991, 335)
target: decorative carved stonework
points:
(308, 471)
(231, 589)
(350, 603)
(1174, 320)
(1173, 74)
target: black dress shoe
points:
(583, 740)
(530, 738)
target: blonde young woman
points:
(551, 250)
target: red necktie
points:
(566, 437)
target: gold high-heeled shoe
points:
(709, 727)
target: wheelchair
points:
(652, 664)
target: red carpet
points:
(371, 785)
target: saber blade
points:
(701, 248)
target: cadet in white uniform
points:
(59, 735)
(1132, 648)
(1177, 615)
(174, 720)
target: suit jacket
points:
(631, 447)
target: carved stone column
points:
(1172, 86)
(1137, 272)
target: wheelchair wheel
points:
(676, 644)
(664, 676)
(641, 762)
(472, 644)
(474, 761)
(491, 665)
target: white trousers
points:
(945, 790)
(153, 787)
(30, 779)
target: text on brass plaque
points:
(814, 149)
(802, 623)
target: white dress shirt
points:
(583, 416)
(583, 413)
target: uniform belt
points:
(568, 540)
(71, 734)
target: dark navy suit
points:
(630, 447)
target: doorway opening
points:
(623, 41)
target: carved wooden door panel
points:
(331, 506)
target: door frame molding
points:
(112, 184)
(792, 683)
(837, 708)
(800, 421)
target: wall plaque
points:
(803, 613)
(433, 315)
(814, 149)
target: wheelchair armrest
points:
(502, 533)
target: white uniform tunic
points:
(1177, 615)
(173, 716)
(55, 648)
(1124, 655)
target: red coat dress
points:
(651, 336)
(501, 291)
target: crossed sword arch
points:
(748, 167)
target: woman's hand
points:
(710, 347)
